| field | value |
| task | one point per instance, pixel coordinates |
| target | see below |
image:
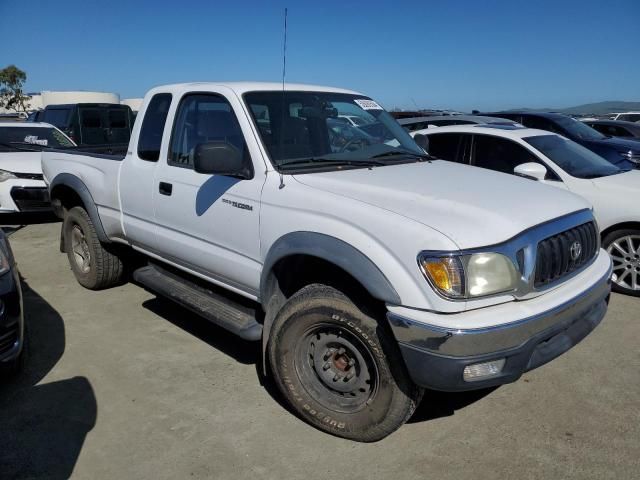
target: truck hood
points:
(21, 162)
(472, 206)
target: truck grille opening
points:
(564, 253)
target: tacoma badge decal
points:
(242, 206)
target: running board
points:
(226, 313)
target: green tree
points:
(11, 83)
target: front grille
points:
(29, 176)
(31, 198)
(557, 255)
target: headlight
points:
(4, 175)
(469, 276)
(5, 256)
(631, 155)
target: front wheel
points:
(624, 248)
(338, 368)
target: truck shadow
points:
(434, 404)
(43, 425)
(12, 222)
(247, 353)
(444, 404)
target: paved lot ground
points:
(121, 384)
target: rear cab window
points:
(155, 117)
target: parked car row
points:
(367, 268)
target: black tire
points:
(319, 324)
(99, 268)
(626, 267)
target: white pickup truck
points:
(368, 269)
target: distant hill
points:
(599, 108)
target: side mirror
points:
(531, 170)
(220, 158)
(422, 141)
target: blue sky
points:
(441, 54)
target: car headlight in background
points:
(631, 155)
(4, 175)
(5, 256)
(469, 276)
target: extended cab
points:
(368, 269)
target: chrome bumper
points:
(462, 343)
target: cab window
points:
(203, 118)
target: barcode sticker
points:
(366, 104)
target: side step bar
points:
(226, 313)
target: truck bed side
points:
(94, 173)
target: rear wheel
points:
(94, 266)
(338, 367)
(624, 248)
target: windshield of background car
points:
(574, 159)
(56, 116)
(33, 137)
(578, 129)
(296, 125)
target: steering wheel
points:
(363, 142)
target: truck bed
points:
(97, 168)
(108, 152)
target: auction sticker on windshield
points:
(367, 104)
(35, 140)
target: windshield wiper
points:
(19, 149)
(318, 160)
(404, 153)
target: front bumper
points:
(436, 357)
(11, 317)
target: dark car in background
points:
(91, 123)
(616, 128)
(11, 312)
(619, 151)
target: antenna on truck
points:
(284, 71)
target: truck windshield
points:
(574, 159)
(32, 138)
(314, 129)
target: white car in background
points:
(354, 120)
(626, 116)
(22, 188)
(556, 160)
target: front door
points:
(209, 224)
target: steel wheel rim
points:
(80, 249)
(336, 368)
(625, 254)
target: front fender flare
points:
(333, 250)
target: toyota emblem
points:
(575, 250)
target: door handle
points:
(165, 188)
